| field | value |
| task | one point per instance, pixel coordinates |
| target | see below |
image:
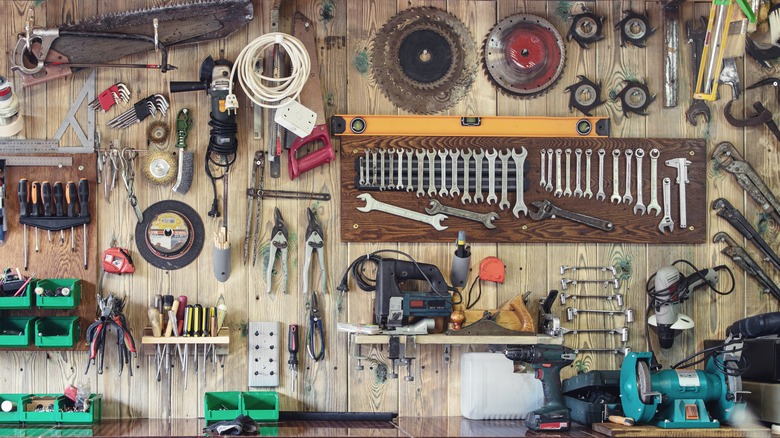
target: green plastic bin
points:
(69, 302)
(9, 302)
(16, 415)
(30, 416)
(218, 406)
(92, 415)
(11, 326)
(57, 331)
(260, 405)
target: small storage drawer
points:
(58, 302)
(57, 331)
(261, 405)
(218, 406)
(9, 302)
(16, 414)
(92, 415)
(16, 331)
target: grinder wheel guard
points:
(524, 55)
(424, 60)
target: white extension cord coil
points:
(11, 121)
(267, 91)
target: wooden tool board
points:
(619, 430)
(629, 228)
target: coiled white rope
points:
(269, 92)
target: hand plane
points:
(393, 307)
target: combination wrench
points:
(577, 184)
(666, 221)
(400, 184)
(504, 155)
(567, 191)
(627, 198)
(374, 205)
(558, 189)
(520, 182)
(382, 154)
(491, 157)
(374, 159)
(431, 156)
(409, 186)
(363, 170)
(454, 190)
(681, 164)
(653, 205)
(443, 191)
(549, 186)
(615, 176)
(478, 155)
(542, 180)
(420, 154)
(600, 196)
(587, 193)
(391, 165)
(640, 204)
(466, 154)
(485, 219)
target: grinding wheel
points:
(643, 382)
(171, 236)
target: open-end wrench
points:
(666, 221)
(627, 198)
(653, 205)
(374, 205)
(542, 180)
(420, 154)
(558, 187)
(640, 204)
(622, 350)
(520, 182)
(504, 155)
(400, 184)
(382, 154)
(491, 157)
(454, 190)
(374, 159)
(622, 332)
(578, 184)
(571, 312)
(681, 164)
(587, 193)
(443, 190)
(409, 185)
(547, 209)
(565, 282)
(391, 165)
(567, 190)
(485, 219)
(363, 171)
(615, 177)
(549, 186)
(618, 298)
(611, 269)
(466, 154)
(478, 155)
(600, 196)
(431, 156)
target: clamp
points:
(278, 244)
(314, 242)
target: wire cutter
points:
(315, 342)
(313, 242)
(278, 244)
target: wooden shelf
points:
(150, 343)
(442, 339)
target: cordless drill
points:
(547, 361)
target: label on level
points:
(688, 377)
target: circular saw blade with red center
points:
(524, 55)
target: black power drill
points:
(547, 361)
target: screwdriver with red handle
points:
(24, 199)
(70, 197)
(292, 348)
(35, 193)
(84, 211)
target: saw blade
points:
(424, 60)
(524, 55)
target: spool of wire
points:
(11, 121)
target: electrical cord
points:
(268, 91)
(220, 154)
(728, 367)
(469, 303)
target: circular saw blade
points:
(524, 55)
(424, 60)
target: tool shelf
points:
(221, 341)
(59, 302)
(442, 339)
(58, 415)
(257, 405)
(56, 331)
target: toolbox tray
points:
(56, 331)
(69, 302)
(586, 407)
(22, 324)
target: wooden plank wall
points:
(344, 30)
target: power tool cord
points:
(220, 155)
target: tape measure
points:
(171, 236)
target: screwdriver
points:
(84, 212)
(59, 194)
(46, 196)
(70, 197)
(292, 348)
(35, 189)
(24, 198)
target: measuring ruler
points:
(19, 161)
(455, 126)
(40, 147)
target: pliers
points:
(315, 342)
(313, 242)
(278, 244)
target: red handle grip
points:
(312, 160)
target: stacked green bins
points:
(41, 408)
(51, 286)
(92, 415)
(261, 405)
(220, 406)
(56, 331)
(15, 415)
(258, 405)
(16, 331)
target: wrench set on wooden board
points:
(573, 189)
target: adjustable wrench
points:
(565, 282)
(558, 188)
(627, 198)
(431, 156)
(491, 157)
(409, 186)
(587, 193)
(542, 180)
(600, 196)
(374, 205)
(391, 165)
(520, 182)
(549, 186)
(577, 185)
(617, 297)
(504, 155)
(374, 159)
(681, 164)
(567, 191)
(666, 221)
(400, 185)
(547, 209)
(485, 218)
(443, 191)
(653, 205)
(382, 186)
(615, 176)
(571, 312)
(623, 332)
(640, 204)
(466, 154)
(420, 154)
(454, 190)
(478, 155)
